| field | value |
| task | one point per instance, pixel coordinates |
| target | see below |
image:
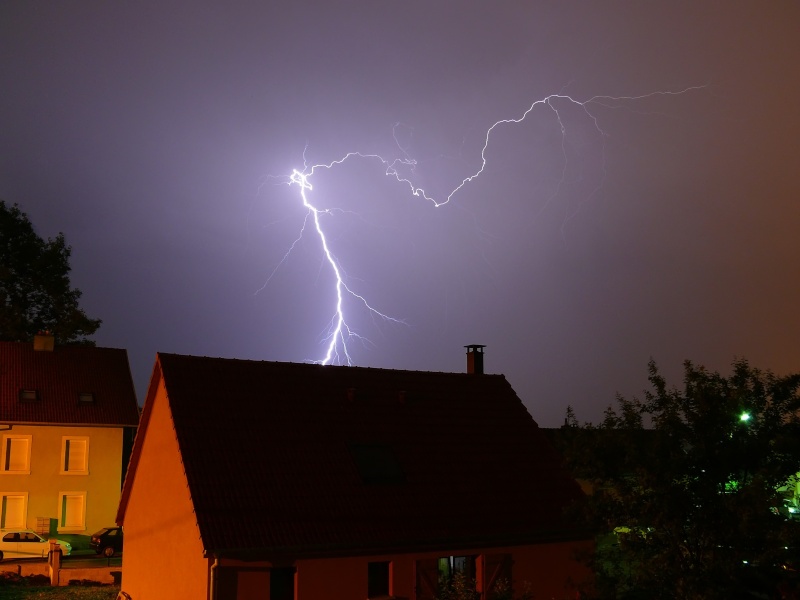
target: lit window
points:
(75, 455)
(13, 508)
(16, 454)
(28, 395)
(443, 577)
(72, 511)
(450, 565)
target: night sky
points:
(159, 137)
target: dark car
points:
(107, 541)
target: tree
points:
(35, 292)
(690, 480)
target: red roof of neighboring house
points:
(276, 456)
(58, 377)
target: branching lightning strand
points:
(339, 332)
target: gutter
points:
(213, 580)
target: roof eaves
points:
(424, 545)
(67, 424)
(136, 452)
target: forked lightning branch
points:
(339, 333)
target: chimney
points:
(475, 359)
(45, 341)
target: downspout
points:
(213, 580)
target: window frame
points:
(5, 457)
(462, 563)
(65, 443)
(62, 501)
(377, 464)
(3, 511)
(85, 398)
(27, 395)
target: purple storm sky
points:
(148, 131)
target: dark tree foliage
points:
(686, 485)
(35, 293)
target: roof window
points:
(377, 464)
(85, 397)
(28, 395)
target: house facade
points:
(66, 414)
(290, 481)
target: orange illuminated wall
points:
(550, 570)
(163, 555)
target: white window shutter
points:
(72, 511)
(75, 455)
(13, 509)
(16, 454)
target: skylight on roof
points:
(377, 464)
(28, 395)
(85, 397)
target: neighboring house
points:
(65, 414)
(291, 481)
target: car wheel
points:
(108, 551)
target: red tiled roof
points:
(58, 377)
(268, 453)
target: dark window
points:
(377, 464)
(28, 395)
(427, 579)
(378, 579)
(226, 584)
(281, 584)
(498, 571)
(85, 397)
(236, 583)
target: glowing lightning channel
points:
(338, 331)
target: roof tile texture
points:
(267, 450)
(58, 376)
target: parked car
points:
(107, 541)
(24, 543)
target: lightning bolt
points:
(339, 333)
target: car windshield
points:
(103, 531)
